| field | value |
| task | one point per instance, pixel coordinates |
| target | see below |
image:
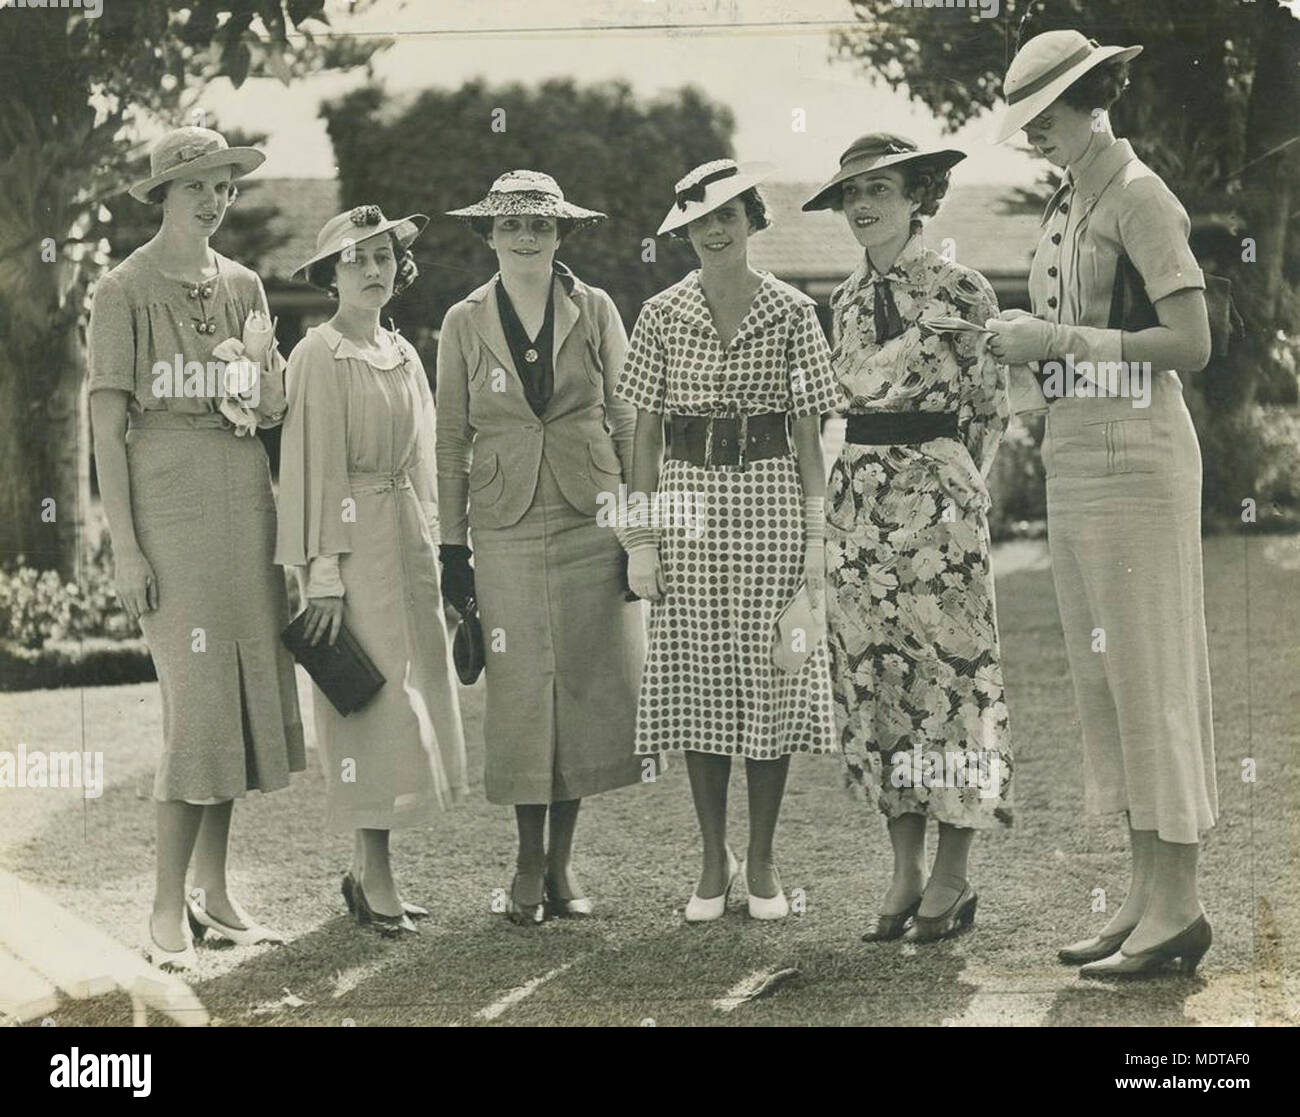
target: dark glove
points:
(457, 581)
(628, 595)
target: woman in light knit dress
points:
(359, 513)
(1123, 490)
(530, 438)
(187, 491)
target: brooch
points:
(530, 355)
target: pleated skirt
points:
(205, 519)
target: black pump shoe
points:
(891, 925)
(355, 897)
(415, 911)
(1186, 949)
(960, 917)
(525, 915)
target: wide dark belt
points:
(888, 428)
(727, 440)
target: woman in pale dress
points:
(187, 493)
(1123, 489)
(358, 518)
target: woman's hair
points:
(755, 213)
(159, 192)
(321, 273)
(482, 226)
(923, 182)
(1099, 88)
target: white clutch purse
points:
(799, 629)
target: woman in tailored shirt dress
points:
(735, 359)
(1123, 492)
(915, 658)
(192, 518)
(529, 437)
(358, 510)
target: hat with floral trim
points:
(355, 225)
(187, 151)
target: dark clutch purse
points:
(1131, 310)
(345, 674)
(467, 650)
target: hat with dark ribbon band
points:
(1044, 68)
(874, 152)
(704, 188)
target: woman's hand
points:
(457, 580)
(137, 588)
(814, 573)
(324, 616)
(1020, 340)
(644, 574)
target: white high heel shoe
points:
(180, 961)
(703, 911)
(766, 907)
(202, 921)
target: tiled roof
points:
(304, 205)
(989, 235)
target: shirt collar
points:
(1097, 168)
(685, 300)
(344, 349)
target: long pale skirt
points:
(400, 759)
(1124, 526)
(205, 518)
(564, 655)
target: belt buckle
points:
(742, 435)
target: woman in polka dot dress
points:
(732, 358)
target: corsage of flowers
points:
(241, 381)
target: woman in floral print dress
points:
(915, 663)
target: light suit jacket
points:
(490, 445)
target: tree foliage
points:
(439, 151)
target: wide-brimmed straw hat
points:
(1043, 69)
(876, 151)
(528, 194)
(703, 189)
(187, 151)
(355, 225)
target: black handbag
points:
(345, 674)
(467, 650)
(1131, 310)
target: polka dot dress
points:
(732, 552)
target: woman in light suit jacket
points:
(529, 437)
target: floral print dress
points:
(915, 663)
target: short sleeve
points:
(1153, 229)
(812, 383)
(112, 338)
(644, 382)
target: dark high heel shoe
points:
(525, 915)
(385, 924)
(1093, 949)
(960, 917)
(557, 907)
(1186, 948)
(349, 881)
(890, 926)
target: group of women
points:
(389, 506)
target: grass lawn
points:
(636, 960)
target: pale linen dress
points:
(357, 483)
(205, 519)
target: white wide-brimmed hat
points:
(1043, 69)
(187, 151)
(710, 184)
(874, 152)
(355, 225)
(528, 193)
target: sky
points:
(763, 58)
